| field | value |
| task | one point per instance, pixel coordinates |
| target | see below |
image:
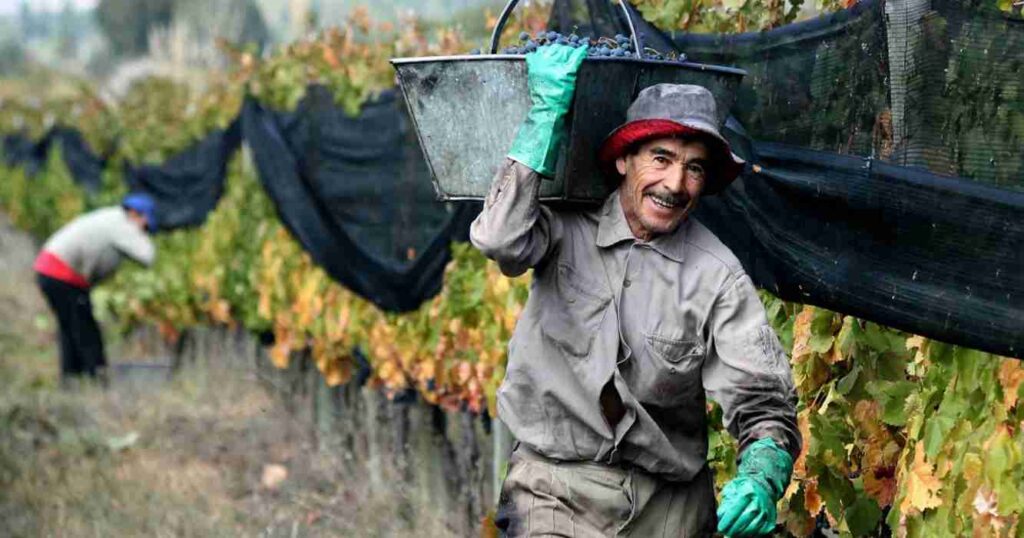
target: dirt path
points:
(211, 452)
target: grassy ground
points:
(212, 452)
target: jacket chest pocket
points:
(671, 369)
(572, 315)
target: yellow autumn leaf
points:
(336, 330)
(1011, 375)
(922, 487)
(502, 285)
(509, 319)
(484, 371)
(475, 338)
(426, 371)
(802, 334)
(387, 370)
(407, 358)
(464, 372)
(834, 356)
(804, 423)
(320, 355)
(220, 311)
(337, 372)
(919, 343)
(279, 354)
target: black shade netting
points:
(188, 185)
(932, 84)
(21, 151)
(963, 76)
(820, 84)
(901, 246)
(85, 166)
(356, 193)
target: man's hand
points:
(551, 73)
(748, 501)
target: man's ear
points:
(620, 165)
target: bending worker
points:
(81, 254)
(636, 313)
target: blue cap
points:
(144, 204)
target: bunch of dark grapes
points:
(619, 46)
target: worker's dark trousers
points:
(81, 343)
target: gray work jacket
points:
(668, 322)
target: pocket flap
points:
(675, 350)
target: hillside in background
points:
(97, 41)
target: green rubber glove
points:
(748, 501)
(551, 74)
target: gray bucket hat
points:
(666, 110)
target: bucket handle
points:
(505, 13)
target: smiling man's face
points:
(664, 179)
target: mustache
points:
(676, 198)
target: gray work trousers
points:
(545, 497)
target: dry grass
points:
(179, 458)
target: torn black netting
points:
(356, 193)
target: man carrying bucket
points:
(636, 313)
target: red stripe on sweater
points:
(48, 264)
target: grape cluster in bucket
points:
(620, 46)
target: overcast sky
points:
(8, 7)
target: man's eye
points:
(660, 159)
(695, 169)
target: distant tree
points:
(67, 34)
(12, 58)
(127, 23)
(237, 21)
(27, 21)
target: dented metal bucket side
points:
(466, 115)
(467, 111)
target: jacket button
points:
(626, 283)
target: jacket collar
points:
(612, 229)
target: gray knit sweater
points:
(94, 244)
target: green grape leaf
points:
(892, 395)
(863, 516)
(837, 492)
(846, 383)
(935, 430)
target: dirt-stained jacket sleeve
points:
(746, 370)
(514, 229)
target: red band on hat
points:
(639, 131)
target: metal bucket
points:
(467, 109)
